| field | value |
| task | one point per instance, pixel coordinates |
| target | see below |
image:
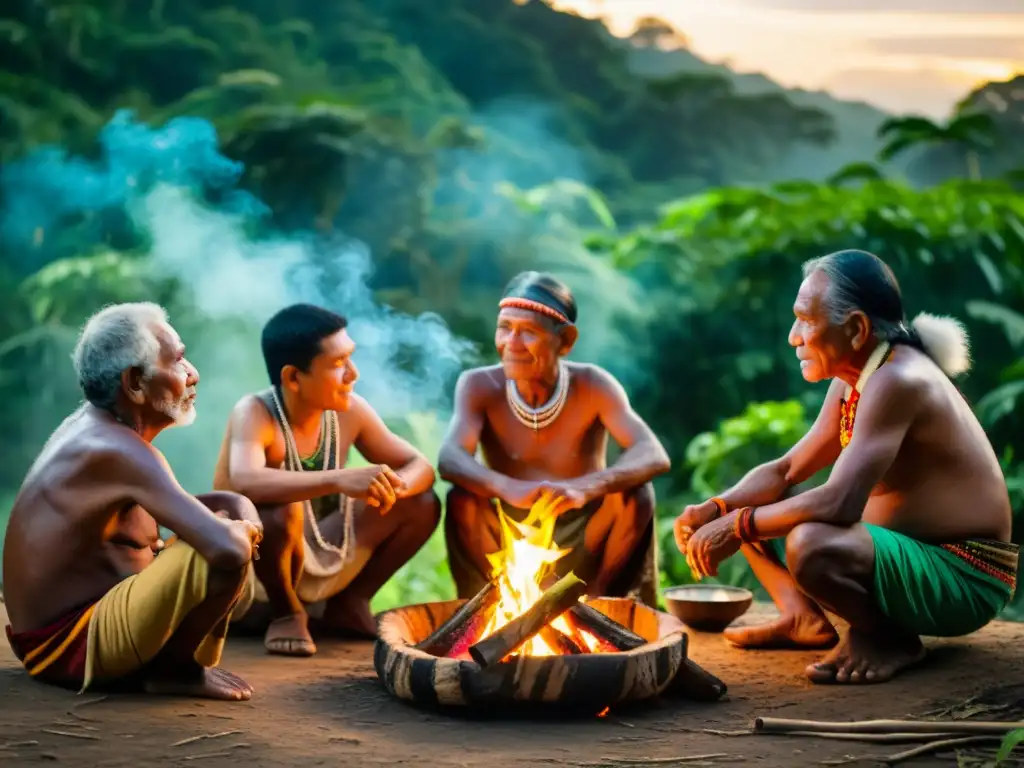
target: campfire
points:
(529, 635)
(514, 615)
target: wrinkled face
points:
(821, 345)
(169, 387)
(331, 376)
(528, 344)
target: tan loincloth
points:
(132, 622)
(638, 578)
(313, 589)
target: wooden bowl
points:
(585, 682)
(707, 607)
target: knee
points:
(642, 505)
(282, 523)
(814, 552)
(234, 505)
(461, 506)
(423, 511)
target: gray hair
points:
(116, 338)
(860, 281)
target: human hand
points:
(378, 484)
(522, 494)
(568, 494)
(711, 544)
(692, 519)
(238, 507)
(253, 533)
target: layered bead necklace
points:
(543, 415)
(848, 405)
(336, 558)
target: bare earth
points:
(331, 710)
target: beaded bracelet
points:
(745, 525)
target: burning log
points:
(461, 627)
(552, 604)
(561, 642)
(604, 628)
(692, 681)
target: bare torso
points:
(574, 445)
(70, 539)
(946, 483)
(306, 442)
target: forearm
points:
(417, 477)
(458, 467)
(281, 486)
(818, 505)
(637, 465)
(764, 484)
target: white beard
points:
(181, 413)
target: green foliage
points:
(1010, 743)
(762, 432)
(718, 459)
(466, 140)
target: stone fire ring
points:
(585, 681)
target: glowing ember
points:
(526, 557)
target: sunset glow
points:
(921, 62)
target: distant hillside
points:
(856, 123)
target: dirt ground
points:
(331, 710)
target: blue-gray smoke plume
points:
(178, 194)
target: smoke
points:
(234, 274)
(170, 188)
(530, 158)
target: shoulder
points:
(478, 383)
(251, 413)
(595, 379)
(116, 451)
(359, 411)
(901, 385)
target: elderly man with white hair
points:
(94, 597)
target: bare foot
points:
(206, 683)
(348, 618)
(794, 630)
(865, 658)
(289, 636)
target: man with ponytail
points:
(909, 536)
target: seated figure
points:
(333, 535)
(909, 536)
(94, 596)
(542, 424)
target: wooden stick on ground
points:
(469, 618)
(878, 738)
(552, 604)
(937, 746)
(782, 725)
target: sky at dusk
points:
(905, 56)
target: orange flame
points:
(527, 553)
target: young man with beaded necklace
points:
(542, 424)
(332, 535)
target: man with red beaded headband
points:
(909, 535)
(543, 425)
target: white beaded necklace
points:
(543, 415)
(316, 566)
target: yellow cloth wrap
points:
(135, 619)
